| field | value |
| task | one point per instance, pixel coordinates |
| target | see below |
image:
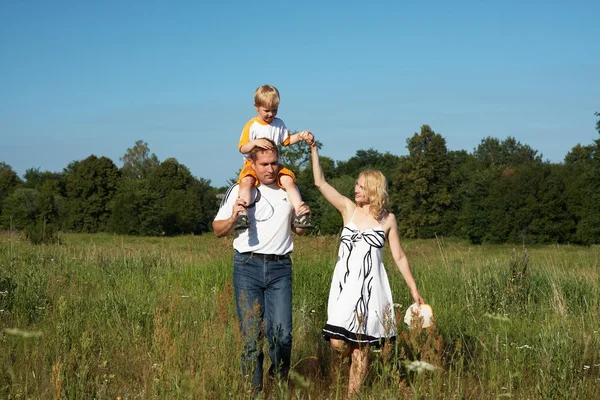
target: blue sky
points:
(80, 78)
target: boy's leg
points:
(292, 192)
(295, 199)
(246, 185)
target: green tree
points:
(9, 181)
(387, 163)
(53, 182)
(91, 185)
(138, 162)
(421, 185)
(20, 208)
(296, 157)
(509, 152)
(462, 167)
(134, 209)
(525, 204)
(477, 202)
(185, 204)
(582, 170)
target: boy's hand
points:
(263, 144)
(308, 137)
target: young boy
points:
(266, 126)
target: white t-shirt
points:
(257, 129)
(270, 220)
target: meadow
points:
(113, 317)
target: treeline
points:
(144, 197)
(501, 192)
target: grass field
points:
(108, 317)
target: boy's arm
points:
(307, 136)
(247, 147)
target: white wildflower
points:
(497, 317)
(525, 346)
(23, 334)
(419, 366)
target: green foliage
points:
(508, 290)
(138, 163)
(186, 205)
(501, 192)
(9, 181)
(582, 187)
(52, 182)
(525, 204)
(91, 185)
(422, 189)
(20, 209)
(509, 152)
(462, 165)
(134, 209)
(296, 157)
(27, 208)
(41, 232)
(478, 200)
(369, 159)
(168, 202)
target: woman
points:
(360, 308)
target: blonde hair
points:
(266, 96)
(376, 191)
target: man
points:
(262, 268)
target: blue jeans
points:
(263, 299)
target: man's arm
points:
(223, 227)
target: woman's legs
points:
(358, 370)
(359, 364)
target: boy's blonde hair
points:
(376, 190)
(266, 96)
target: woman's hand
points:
(417, 296)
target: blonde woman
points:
(360, 308)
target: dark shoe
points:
(303, 222)
(241, 222)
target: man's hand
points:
(303, 209)
(225, 227)
(239, 206)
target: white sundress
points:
(360, 307)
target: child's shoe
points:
(241, 222)
(302, 221)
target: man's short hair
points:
(254, 152)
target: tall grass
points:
(108, 317)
